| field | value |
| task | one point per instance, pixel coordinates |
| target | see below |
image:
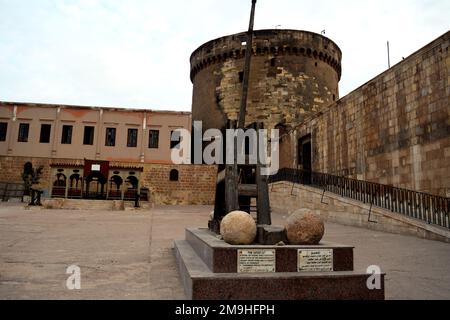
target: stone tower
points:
(293, 74)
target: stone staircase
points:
(286, 198)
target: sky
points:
(135, 53)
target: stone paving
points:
(128, 255)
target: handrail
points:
(429, 208)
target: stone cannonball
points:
(238, 228)
(304, 228)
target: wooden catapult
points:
(240, 185)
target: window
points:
(241, 76)
(46, 129)
(132, 138)
(88, 139)
(153, 139)
(110, 137)
(67, 135)
(176, 136)
(3, 130)
(174, 175)
(273, 62)
(24, 129)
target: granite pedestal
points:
(211, 270)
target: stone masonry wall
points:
(196, 185)
(285, 199)
(11, 169)
(393, 130)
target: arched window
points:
(174, 175)
(60, 181)
(116, 182)
(75, 181)
(133, 182)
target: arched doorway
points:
(95, 186)
(115, 188)
(59, 186)
(131, 188)
(75, 186)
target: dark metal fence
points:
(10, 190)
(426, 207)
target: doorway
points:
(304, 158)
(95, 186)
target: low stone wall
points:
(69, 204)
(196, 184)
(286, 200)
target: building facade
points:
(99, 153)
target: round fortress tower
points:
(293, 74)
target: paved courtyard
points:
(128, 255)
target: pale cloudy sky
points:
(135, 53)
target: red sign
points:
(91, 166)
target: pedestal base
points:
(208, 269)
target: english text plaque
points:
(315, 260)
(256, 261)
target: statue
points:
(31, 178)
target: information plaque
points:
(256, 261)
(315, 260)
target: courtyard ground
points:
(128, 255)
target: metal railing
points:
(10, 190)
(426, 207)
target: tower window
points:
(67, 135)
(45, 133)
(241, 76)
(273, 62)
(24, 129)
(3, 130)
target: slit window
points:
(132, 138)
(46, 130)
(241, 76)
(273, 62)
(66, 137)
(88, 139)
(110, 137)
(3, 130)
(24, 130)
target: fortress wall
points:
(394, 130)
